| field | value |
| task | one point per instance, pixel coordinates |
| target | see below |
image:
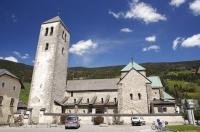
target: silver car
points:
(137, 120)
(72, 122)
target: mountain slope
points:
(179, 78)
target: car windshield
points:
(135, 117)
(71, 119)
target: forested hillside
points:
(179, 78)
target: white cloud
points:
(177, 41)
(151, 38)
(140, 11)
(195, 7)
(177, 3)
(83, 47)
(10, 58)
(126, 30)
(18, 54)
(193, 41)
(155, 48)
(115, 15)
(1, 58)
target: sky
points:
(105, 32)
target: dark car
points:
(72, 122)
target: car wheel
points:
(65, 128)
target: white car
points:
(137, 120)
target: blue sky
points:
(105, 32)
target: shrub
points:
(98, 120)
(62, 119)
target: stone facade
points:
(133, 93)
(10, 87)
(49, 75)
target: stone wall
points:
(10, 90)
(133, 84)
(49, 75)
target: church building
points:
(131, 93)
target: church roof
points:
(167, 96)
(92, 85)
(134, 65)
(156, 82)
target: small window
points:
(51, 33)
(63, 35)
(46, 46)
(164, 109)
(3, 84)
(155, 92)
(115, 99)
(72, 94)
(14, 88)
(88, 100)
(139, 96)
(62, 50)
(12, 101)
(75, 101)
(131, 96)
(69, 111)
(46, 31)
(101, 100)
(83, 111)
(1, 100)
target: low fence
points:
(111, 118)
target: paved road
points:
(83, 128)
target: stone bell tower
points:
(50, 68)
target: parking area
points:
(83, 128)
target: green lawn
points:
(184, 128)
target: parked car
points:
(72, 122)
(137, 120)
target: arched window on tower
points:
(51, 33)
(46, 31)
(139, 96)
(131, 96)
(62, 50)
(63, 35)
(101, 100)
(88, 100)
(1, 100)
(46, 46)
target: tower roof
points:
(54, 19)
